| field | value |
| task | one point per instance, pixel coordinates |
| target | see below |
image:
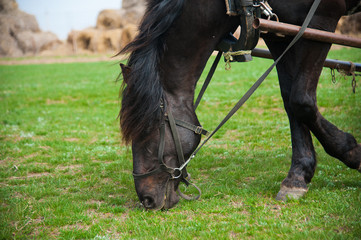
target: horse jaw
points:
(171, 197)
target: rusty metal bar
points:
(310, 33)
(329, 63)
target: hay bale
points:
(20, 32)
(128, 34)
(17, 21)
(57, 49)
(129, 4)
(350, 25)
(95, 40)
(8, 46)
(8, 6)
(112, 40)
(133, 10)
(82, 40)
(110, 19)
(35, 42)
(107, 41)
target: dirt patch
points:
(31, 175)
(77, 226)
(31, 155)
(71, 139)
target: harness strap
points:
(183, 174)
(208, 79)
(143, 175)
(177, 143)
(196, 129)
(161, 144)
(162, 166)
(190, 198)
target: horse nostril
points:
(148, 202)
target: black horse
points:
(175, 40)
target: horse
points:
(175, 39)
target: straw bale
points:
(129, 4)
(133, 10)
(8, 6)
(128, 34)
(20, 32)
(110, 19)
(96, 40)
(82, 39)
(34, 42)
(350, 25)
(112, 40)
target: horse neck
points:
(179, 76)
(189, 44)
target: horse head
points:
(158, 115)
(161, 144)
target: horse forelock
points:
(142, 89)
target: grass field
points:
(66, 175)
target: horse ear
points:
(125, 71)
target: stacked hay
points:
(350, 25)
(114, 29)
(95, 40)
(20, 32)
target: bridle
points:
(177, 172)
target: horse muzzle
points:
(163, 199)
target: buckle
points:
(198, 130)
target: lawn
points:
(64, 173)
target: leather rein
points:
(181, 172)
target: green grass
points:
(64, 173)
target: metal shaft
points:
(310, 33)
(330, 63)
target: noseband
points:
(181, 171)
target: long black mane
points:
(142, 90)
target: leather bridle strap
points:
(178, 172)
(162, 166)
(196, 129)
(177, 142)
(208, 79)
(249, 93)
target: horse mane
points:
(142, 89)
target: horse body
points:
(167, 58)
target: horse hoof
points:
(352, 158)
(290, 193)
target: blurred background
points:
(71, 27)
(67, 27)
